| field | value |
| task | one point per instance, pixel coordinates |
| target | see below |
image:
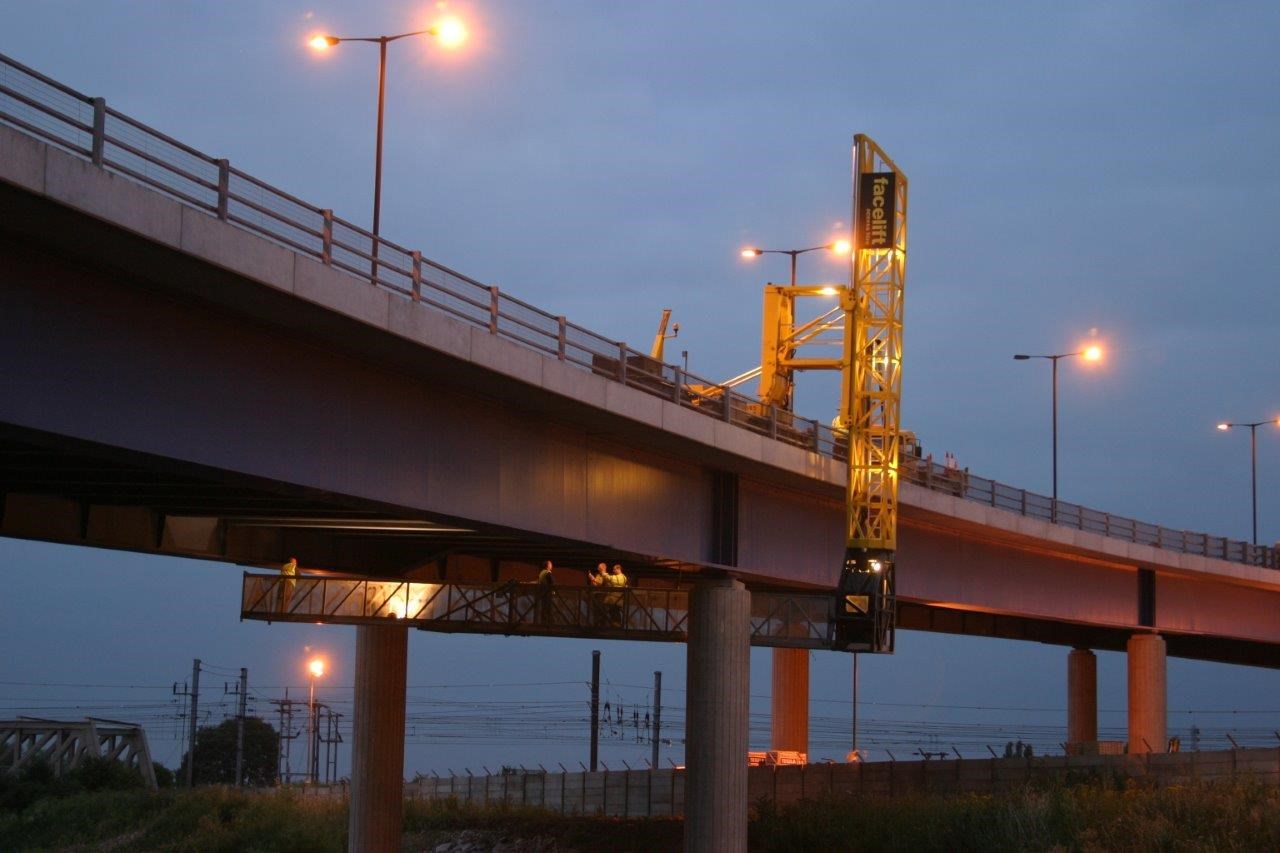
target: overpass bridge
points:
(200, 364)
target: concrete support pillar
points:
(1148, 718)
(719, 652)
(790, 698)
(1082, 696)
(377, 740)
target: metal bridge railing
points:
(777, 619)
(86, 126)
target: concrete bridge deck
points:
(242, 362)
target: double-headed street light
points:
(1253, 462)
(840, 247)
(449, 33)
(1089, 353)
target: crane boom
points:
(871, 398)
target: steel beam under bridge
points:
(783, 619)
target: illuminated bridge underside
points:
(777, 619)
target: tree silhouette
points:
(216, 753)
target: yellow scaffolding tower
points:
(871, 398)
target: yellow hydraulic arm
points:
(871, 398)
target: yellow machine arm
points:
(871, 398)
(660, 339)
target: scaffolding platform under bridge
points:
(780, 619)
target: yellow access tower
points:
(871, 399)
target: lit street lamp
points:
(1090, 353)
(1253, 462)
(839, 247)
(450, 33)
(315, 667)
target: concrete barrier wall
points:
(660, 793)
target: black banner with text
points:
(877, 203)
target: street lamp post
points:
(1253, 462)
(315, 667)
(839, 247)
(450, 33)
(1091, 353)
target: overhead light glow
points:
(316, 667)
(1092, 353)
(828, 291)
(450, 32)
(751, 253)
(1224, 427)
(323, 42)
(842, 247)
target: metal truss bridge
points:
(64, 744)
(779, 619)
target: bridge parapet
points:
(793, 620)
(44, 109)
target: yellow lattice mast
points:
(871, 397)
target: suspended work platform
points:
(780, 619)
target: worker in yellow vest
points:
(615, 582)
(289, 573)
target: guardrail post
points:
(224, 188)
(562, 337)
(326, 237)
(622, 362)
(1024, 501)
(773, 421)
(493, 309)
(677, 383)
(99, 142)
(817, 439)
(417, 275)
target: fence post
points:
(1024, 501)
(773, 421)
(326, 237)
(817, 438)
(224, 188)
(728, 404)
(561, 337)
(493, 309)
(676, 385)
(98, 144)
(417, 275)
(622, 362)
(648, 794)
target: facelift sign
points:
(877, 201)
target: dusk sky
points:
(1092, 171)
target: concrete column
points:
(790, 699)
(1147, 694)
(377, 740)
(1082, 696)
(718, 672)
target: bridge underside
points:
(73, 492)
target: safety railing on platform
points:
(86, 126)
(637, 613)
